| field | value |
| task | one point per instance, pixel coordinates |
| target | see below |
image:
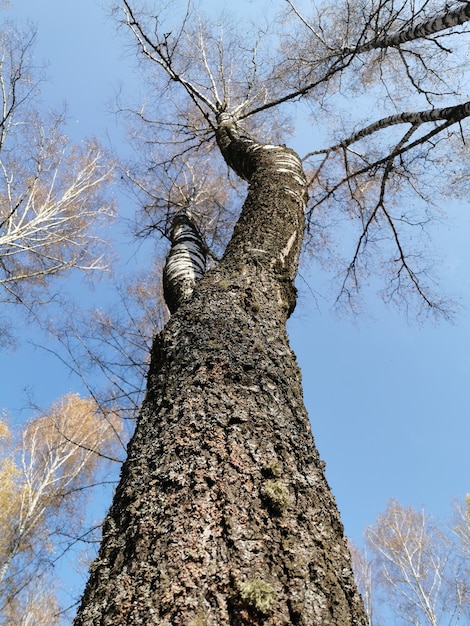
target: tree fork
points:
(223, 515)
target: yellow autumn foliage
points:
(9, 493)
(67, 442)
(44, 477)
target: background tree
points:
(222, 449)
(108, 349)
(414, 568)
(462, 524)
(362, 569)
(45, 478)
(52, 198)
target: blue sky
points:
(388, 398)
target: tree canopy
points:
(52, 192)
(380, 88)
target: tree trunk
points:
(223, 515)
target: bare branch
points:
(444, 21)
(51, 192)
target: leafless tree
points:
(52, 200)
(402, 60)
(417, 570)
(223, 514)
(362, 568)
(462, 525)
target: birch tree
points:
(52, 199)
(45, 477)
(417, 570)
(223, 514)
(362, 568)
(462, 525)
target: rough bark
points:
(223, 515)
